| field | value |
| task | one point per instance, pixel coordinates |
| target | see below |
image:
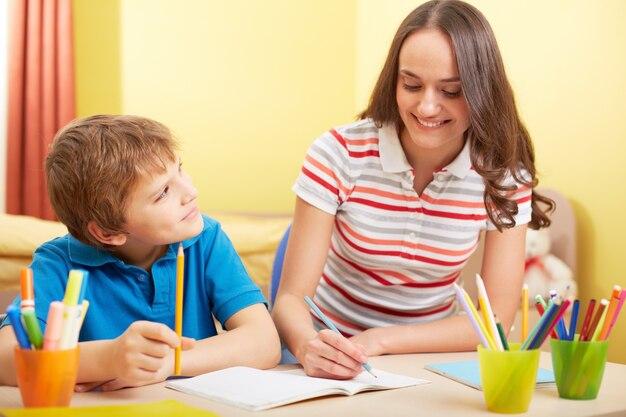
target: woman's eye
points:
(411, 87)
(455, 93)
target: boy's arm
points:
(251, 340)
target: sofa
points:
(254, 236)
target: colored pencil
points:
(332, 327)
(505, 344)
(573, 320)
(524, 311)
(615, 295)
(596, 319)
(617, 310)
(490, 323)
(587, 320)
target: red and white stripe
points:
(394, 255)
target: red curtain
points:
(41, 97)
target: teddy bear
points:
(544, 271)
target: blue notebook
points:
(468, 373)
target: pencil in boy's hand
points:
(332, 327)
(178, 319)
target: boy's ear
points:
(105, 237)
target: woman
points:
(390, 208)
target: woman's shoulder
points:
(356, 136)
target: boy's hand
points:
(143, 354)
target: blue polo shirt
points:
(216, 282)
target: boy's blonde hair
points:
(95, 163)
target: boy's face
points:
(162, 209)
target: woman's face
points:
(429, 92)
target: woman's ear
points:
(105, 237)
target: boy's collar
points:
(88, 255)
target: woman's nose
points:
(428, 104)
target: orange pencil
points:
(178, 323)
(617, 291)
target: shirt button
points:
(141, 278)
(412, 236)
(441, 177)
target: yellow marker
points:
(178, 320)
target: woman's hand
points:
(330, 355)
(371, 340)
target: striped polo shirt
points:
(393, 255)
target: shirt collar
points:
(393, 159)
(88, 255)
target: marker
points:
(524, 311)
(28, 290)
(71, 312)
(52, 335)
(332, 327)
(32, 328)
(13, 313)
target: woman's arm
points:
(502, 271)
(324, 354)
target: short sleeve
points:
(230, 287)
(523, 197)
(324, 179)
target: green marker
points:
(32, 328)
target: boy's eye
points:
(163, 193)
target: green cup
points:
(578, 367)
(508, 378)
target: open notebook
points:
(254, 389)
(468, 373)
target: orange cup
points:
(46, 378)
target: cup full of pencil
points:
(578, 367)
(508, 378)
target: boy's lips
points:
(191, 214)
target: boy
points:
(117, 184)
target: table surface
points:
(442, 397)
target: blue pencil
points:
(573, 320)
(13, 313)
(331, 326)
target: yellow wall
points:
(248, 85)
(566, 61)
(97, 56)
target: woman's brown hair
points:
(499, 142)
